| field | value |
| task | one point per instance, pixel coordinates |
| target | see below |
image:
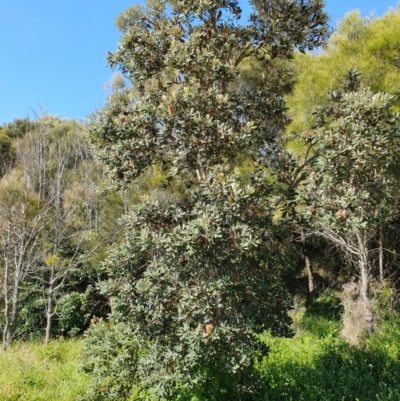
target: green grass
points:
(315, 365)
(35, 372)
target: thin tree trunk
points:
(14, 312)
(311, 288)
(364, 279)
(11, 294)
(57, 233)
(381, 272)
(6, 305)
(10, 309)
(310, 275)
(50, 306)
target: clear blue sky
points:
(52, 52)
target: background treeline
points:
(58, 219)
(337, 227)
(53, 226)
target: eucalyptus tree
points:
(352, 186)
(199, 273)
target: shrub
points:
(109, 357)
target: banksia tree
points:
(352, 185)
(199, 274)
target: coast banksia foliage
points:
(353, 183)
(208, 257)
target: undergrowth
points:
(317, 364)
(36, 372)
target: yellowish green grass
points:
(36, 372)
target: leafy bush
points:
(31, 317)
(384, 302)
(110, 357)
(74, 312)
(321, 318)
(7, 153)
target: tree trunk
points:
(6, 301)
(311, 288)
(12, 274)
(14, 312)
(380, 239)
(364, 280)
(304, 254)
(50, 305)
(10, 311)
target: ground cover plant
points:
(320, 365)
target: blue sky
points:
(52, 52)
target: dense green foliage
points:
(16, 129)
(369, 45)
(242, 291)
(327, 368)
(198, 275)
(348, 135)
(357, 141)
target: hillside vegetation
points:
(225, 228)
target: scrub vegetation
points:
(226, 227)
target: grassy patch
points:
(320, 319)
(35, 372)
(313, 367)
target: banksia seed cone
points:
(171, 110)
(341, 214)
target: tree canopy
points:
(369, 45)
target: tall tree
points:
(369, 45)
(351, 187)
(198, 275)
